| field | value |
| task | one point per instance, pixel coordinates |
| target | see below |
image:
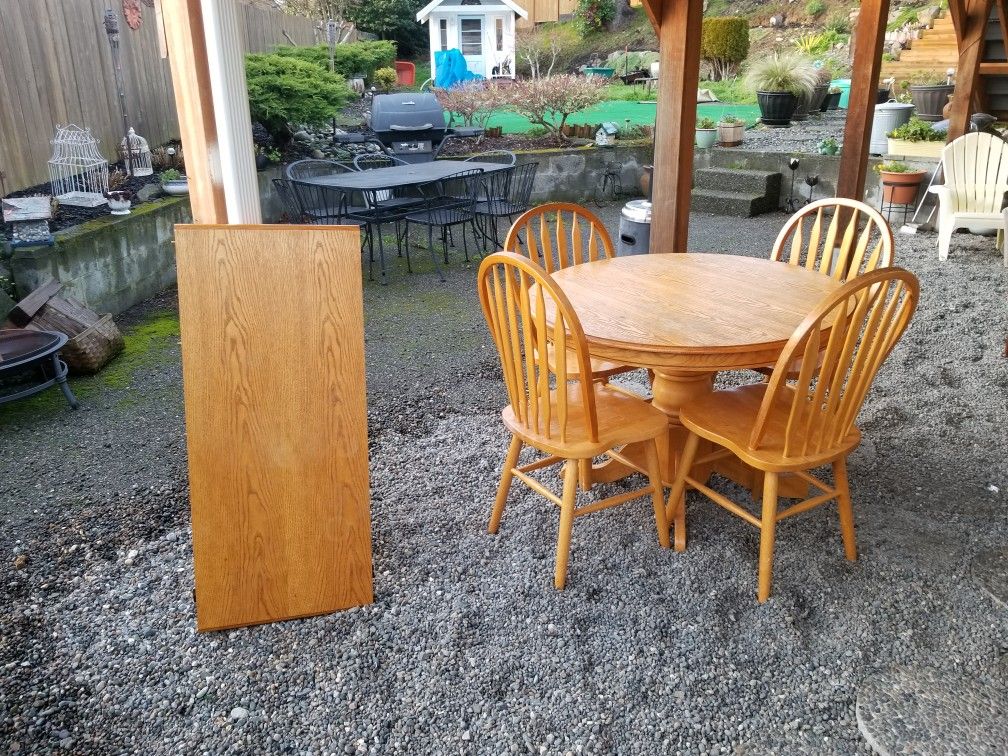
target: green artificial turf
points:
(620, 111)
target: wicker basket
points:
(92, 348)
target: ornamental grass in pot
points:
(779, 81)
(817, 101)
(900, 182)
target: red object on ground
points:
(405, 73)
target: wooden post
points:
(973, 17)
(187, 53)
(870, 35)
(675, 122)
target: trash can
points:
(844, 86)
(634, 228)
(888, 116)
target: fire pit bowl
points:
(24, 351)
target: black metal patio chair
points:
(324, 205)
(506, 194)
(312, 168)
(447, 203)
(291, 208)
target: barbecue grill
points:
(411, 125)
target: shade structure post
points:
(871, 29)
(675, 121)
(971, 29)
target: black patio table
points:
(398, 176)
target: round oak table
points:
(686, 317)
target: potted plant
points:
(731, 131)
(119, 202)
(779, 80)
(174, 183)
(900, 182)
(916, 138)
(930, 93)
(824, 75)
(833, 98)
(828, 146)
(706, 133)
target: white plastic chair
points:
(975, 167)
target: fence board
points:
(56, 67)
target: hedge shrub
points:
(284, 91)
(350, 59)
(724, 44)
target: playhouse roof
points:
(425, 12)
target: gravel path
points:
(468, 649)
(802, 137)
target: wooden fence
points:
(546, 10)
(56, 68)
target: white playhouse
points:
(484, 30)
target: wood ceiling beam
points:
(675, 123)
(868, 39)
(653, 8)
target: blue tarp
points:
(450, 69)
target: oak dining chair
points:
(838, 237)
(786, 426)
(557, 235)
(556, 408)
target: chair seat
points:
(727, 418)
(622, 419)
(498, 208)
(448, 216)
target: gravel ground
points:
(467, 648)
(802, 137)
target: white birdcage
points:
(139, 151)
(78, 172)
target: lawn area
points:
(621, 111)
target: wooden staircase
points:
(934, 52)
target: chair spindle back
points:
(841, 252)
(517, 296)
(557, 235)
(866, 316)
(976, 166)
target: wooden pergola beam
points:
(870, 35)
(971, 32)
(675, 120)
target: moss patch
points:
(144, 345)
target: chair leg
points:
(465, 243)
(584, 474)
(675, 512)
(381, 255)
(510, 461)
(768, 528)
(845, 508)
(944, 240)
(433, 254)
(566, 523)
(658, 494)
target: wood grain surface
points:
(693, 311)
(273, 366)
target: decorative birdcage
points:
(137, 156)
(78, 172)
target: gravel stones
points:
(990, 569)
(923, 711)
(646, 652)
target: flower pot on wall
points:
(776, 108)
(730, 134)
(818, 98)
(705, 138)
(801, 109)
(930, 100)
(645, 180)
(907, 148)
(832, 101)
(901, 188)
(176, 187)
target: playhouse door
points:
(471, 43)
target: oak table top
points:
(695, 311)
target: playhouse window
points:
(444, 33)
(499, 29)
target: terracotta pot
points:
(948, 107)
(645, 180)
(901, 188)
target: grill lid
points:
(406, 112)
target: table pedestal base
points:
(671, 390)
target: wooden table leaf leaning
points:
(276, 420)
(686, 317)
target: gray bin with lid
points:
(634, 228)
(888, 116)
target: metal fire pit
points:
(22, 352)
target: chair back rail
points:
(854, 239)
(371, 160)
(289, 202)
(311, 168)
(320, 204)
(516, 295)
(557, 235)
(976, 168)
(866, 317)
